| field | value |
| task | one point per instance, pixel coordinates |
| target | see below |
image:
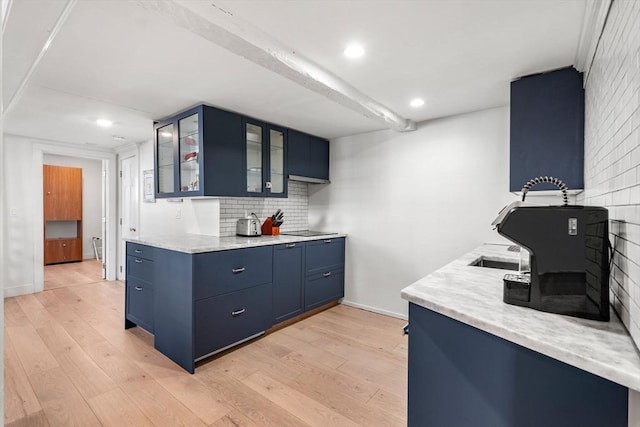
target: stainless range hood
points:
(308, 179)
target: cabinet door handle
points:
(237, 312)
(290, 245)
(138, 288)
(328, 241)
(64, 245)
(327, 274)
(138, 261)
(237, 270)
(138, 251)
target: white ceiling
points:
(119, 60)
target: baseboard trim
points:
(375, 310)
(18, 290)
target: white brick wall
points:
(295, 208)
(612, 151)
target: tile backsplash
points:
(295, 208)
(612, 151)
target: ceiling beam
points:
(45, 47)
(221, 27)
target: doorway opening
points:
(102, 193)
(73, 189)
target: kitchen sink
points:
(493, 263)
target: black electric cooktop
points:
(306, 233)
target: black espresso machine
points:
(568, 250)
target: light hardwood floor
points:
(69, 361)
(72, 274)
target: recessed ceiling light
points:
(119, 138)
(417, 102)
(104, 123)
(354, 50)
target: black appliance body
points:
(569, 258)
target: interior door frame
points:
(108, 158)
(126, 153)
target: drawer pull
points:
(138, 261)
(290, 245)
(327, 274)
(328, 241)
(237, 270)
(138, 288)
(138, 251)
(237, 312)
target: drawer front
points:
(216, 273)
(226, 319)
(324, 255)
(322, 288)
(140, 251)
(140, 268)
(139, 304)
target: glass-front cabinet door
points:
(254, 156)
(165, 159)
(189, 153)
(276, 162)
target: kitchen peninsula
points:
(474, 360)
(200, 295)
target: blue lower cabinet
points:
(462, 376)
(324, 255)
(139, 304)
(288, 281)
(226, 319)
(322, 288)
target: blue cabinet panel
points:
(308, 155)
(226, 319)
(288, 281)
(173, 307)
(324, 255)
(216, 273)
(140, 268)
(139, 303)
(547, 129)
(322, 288)
(462, 376)
(141, 251)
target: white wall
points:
(612, 151)
(23, 241)
(412, 202)
(198, 216)
(91, 196)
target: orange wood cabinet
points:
(62, 250)
(62, 200)
(62, 193)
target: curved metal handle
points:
(138, 288)
(138, 261)
(237, 270)
(290, 245)
(327, 274)
(138, 251)
(237, 312)
(328, 241)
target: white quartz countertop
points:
(473, 295)
(197, 243)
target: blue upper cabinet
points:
(265, 161)
(308, 157)
(199, 153)
(547, 129)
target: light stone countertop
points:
(198, 243)
(473, 295)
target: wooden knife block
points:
(268, 229)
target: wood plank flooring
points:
(71, 274)
(69, 361)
